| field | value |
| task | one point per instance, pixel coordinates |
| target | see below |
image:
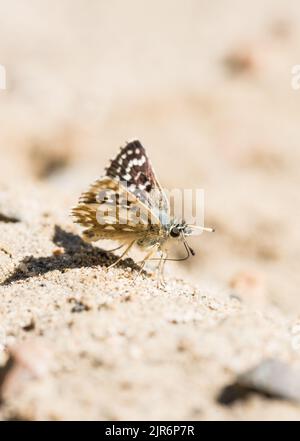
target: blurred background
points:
(205, 85)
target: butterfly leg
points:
(122, 255)
(160, 270)
(115, 249)
(143, 262)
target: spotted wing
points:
(109, 211)
(133, 169)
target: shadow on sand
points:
(77, 254)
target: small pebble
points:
(271, 378)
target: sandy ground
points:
(206, 86)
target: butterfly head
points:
(180, 230)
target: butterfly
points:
(129, 205)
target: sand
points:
(206, 87)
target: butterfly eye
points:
(175, 232)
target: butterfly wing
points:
(133, 168)
(125, 204)
(109, 211)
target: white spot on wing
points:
(142, 160)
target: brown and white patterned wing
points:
(109, 211)
(132, 167)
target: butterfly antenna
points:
(197, 227)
